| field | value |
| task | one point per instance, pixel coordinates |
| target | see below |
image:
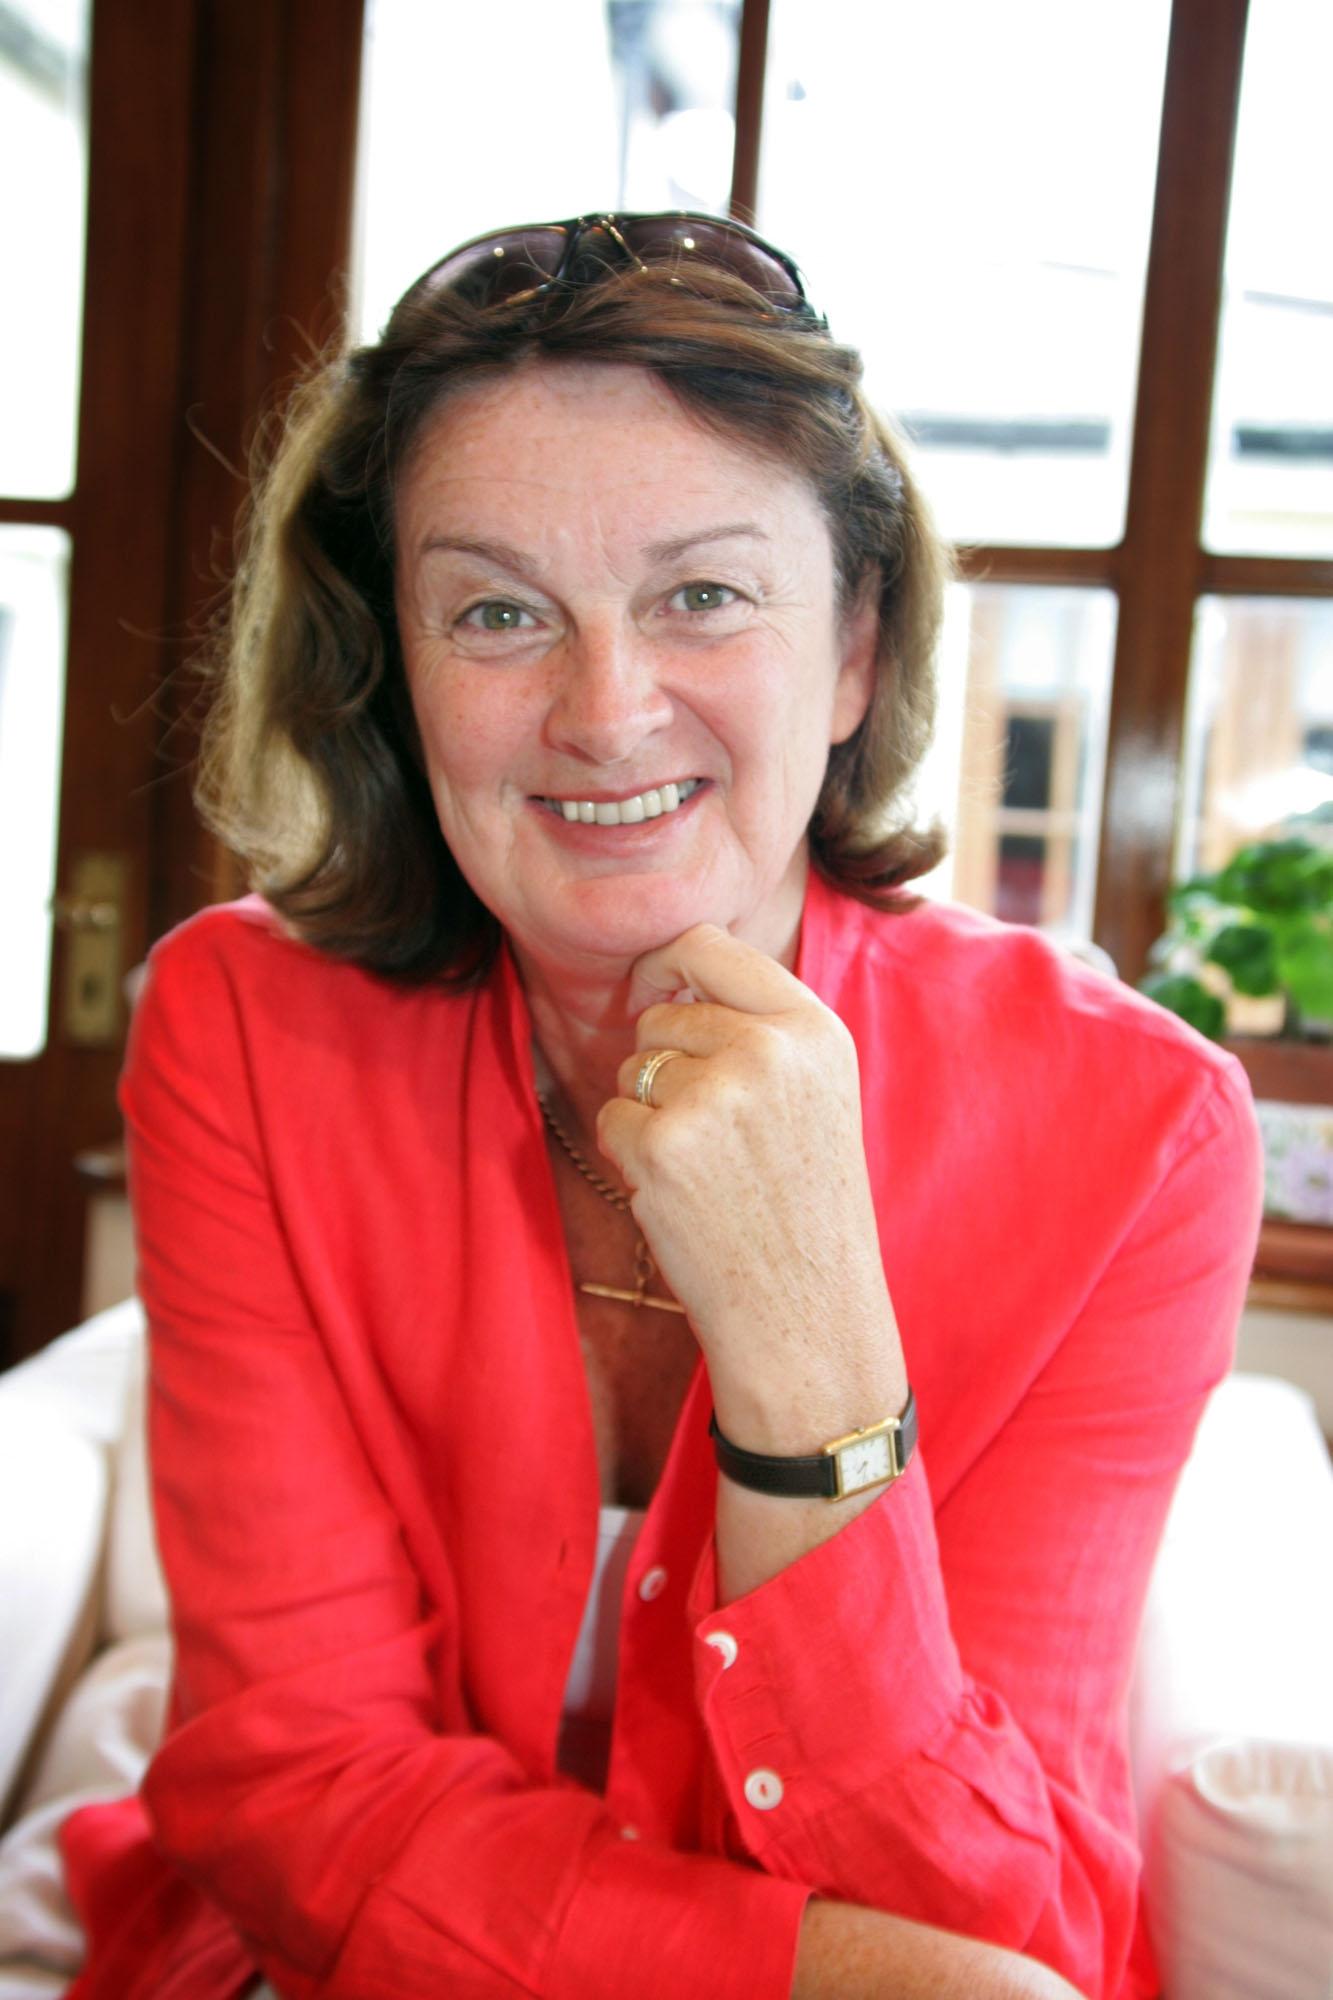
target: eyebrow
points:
(504, 556)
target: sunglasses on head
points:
(510, 265)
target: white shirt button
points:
(652, 1583)
(629, 1833)
(763, 1790)
(725, 1644)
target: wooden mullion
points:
(751, 63)
(1266, 576)
(1161, 559)
(984, 563)
(38, 513)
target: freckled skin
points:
(609, 674)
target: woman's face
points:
(625, 660)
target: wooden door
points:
(221, 148)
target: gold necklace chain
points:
(616, 1196)
(645, 1270)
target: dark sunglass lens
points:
(685, 240)
(501, 267)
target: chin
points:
(616, 922)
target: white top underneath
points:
(590, 1692)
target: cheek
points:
(464, 737)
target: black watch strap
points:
(818, 1475)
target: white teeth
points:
(651, 804)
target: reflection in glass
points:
(43, 169)
(1259, 734)
(1016, 770)
(1270, 488)
(613, 104)
(675, 70)
(969, 189)
(33, 567)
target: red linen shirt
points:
(377, 1495)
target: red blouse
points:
(377, 1495)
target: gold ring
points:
(648, 1068)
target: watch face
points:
(865, 1463)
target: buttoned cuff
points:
(824, 1679)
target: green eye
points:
(497, 614)
(705, 596)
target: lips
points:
(652, 804)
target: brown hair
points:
(312, 767)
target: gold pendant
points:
(637, 1298)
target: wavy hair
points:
(312, 768)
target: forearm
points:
(850, 1953)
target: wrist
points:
(792, 1425)
(869, 1456)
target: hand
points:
(750, 1185)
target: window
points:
(43, 149)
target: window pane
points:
(43, 154)
(615, 103)
(1259, 738)
(969, 189)
(1270, 487)
(33, 564)
(1016, 770)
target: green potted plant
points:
(1262, 927)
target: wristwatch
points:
(875, 1456)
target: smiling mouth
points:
(652, 804)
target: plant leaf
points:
(1305, 967)
(1186, 997)
(1278, 876)
(1247, 953)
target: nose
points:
(607, 698)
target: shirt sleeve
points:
(318, 1779)
(918, 1714)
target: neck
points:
(582, 1030)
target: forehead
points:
(582, 447)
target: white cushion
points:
(135, 1592)
(81, 1379)
(53, 1492)
(107, 1730)
(1232, 1708)
(1242, 1847)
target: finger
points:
(620, 1124)
(699, 1027)
(710, 964)
(669, 1078)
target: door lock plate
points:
(92, 915)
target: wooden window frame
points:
(1160, 567)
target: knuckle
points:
(765, 1045)
(653, 1024)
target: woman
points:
(555, 1149)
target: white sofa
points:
(1231, 1713)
